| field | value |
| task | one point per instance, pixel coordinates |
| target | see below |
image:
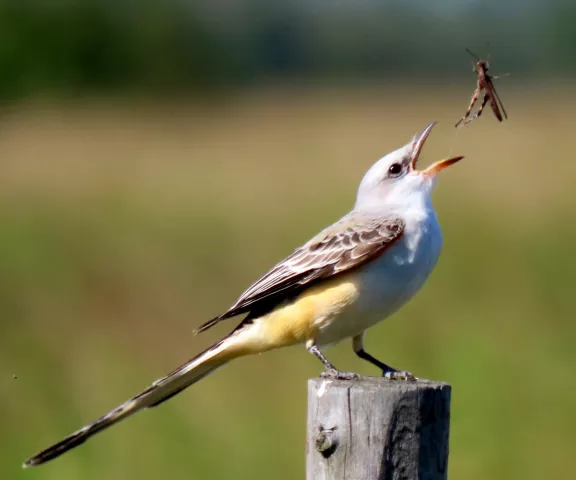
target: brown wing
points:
(495, 101)
(341, 247)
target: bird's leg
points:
(358, 346)
(331, 370)
(387, 371)
(364, 355)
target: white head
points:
(393, 181)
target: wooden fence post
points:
(377, 429)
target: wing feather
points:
(341, 247)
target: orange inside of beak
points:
(417, 146)
(441, 165)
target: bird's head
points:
(395, 181)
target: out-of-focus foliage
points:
(77, 46)
(123, 227)
(124, 223)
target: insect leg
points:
(479, 111)
(470, 107)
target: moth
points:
(483, 85)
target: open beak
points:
(418, 144)
(440, 165)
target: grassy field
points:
(124, 225)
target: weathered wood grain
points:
(377, 429)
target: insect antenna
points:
(473, 54)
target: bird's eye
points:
(395, 169)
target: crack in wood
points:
(396, 430)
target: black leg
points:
(331, 370)
(387, 371)
(374, 361)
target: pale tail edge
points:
(161, 390)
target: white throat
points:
(409, 197)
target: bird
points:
(349, 277)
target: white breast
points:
(389, 281)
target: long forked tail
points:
(160, 391)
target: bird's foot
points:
(334, 374)
(402, 375)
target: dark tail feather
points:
(157, 393)
(207, 325)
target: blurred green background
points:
(156, 158)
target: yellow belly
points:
(299, 320)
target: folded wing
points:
(341, 247)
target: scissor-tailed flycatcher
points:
(347, 278)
